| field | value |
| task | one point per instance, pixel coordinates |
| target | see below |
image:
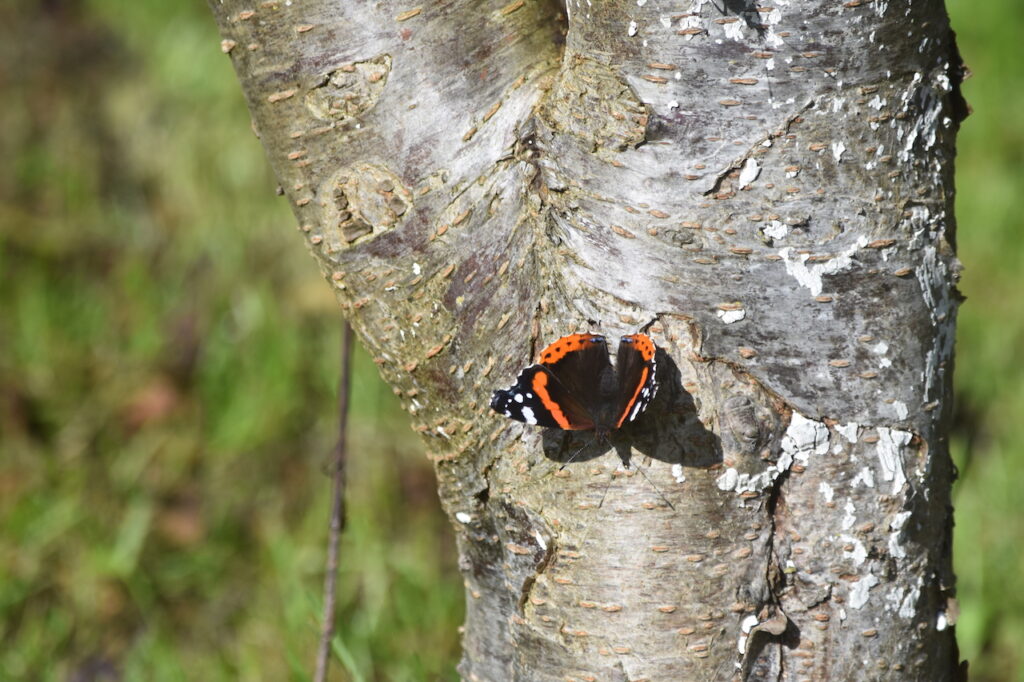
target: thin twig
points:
(337, 508)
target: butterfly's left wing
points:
(563, 389)
(635, 372)
(539, 398)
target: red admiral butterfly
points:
(575, 388)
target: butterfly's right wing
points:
(635, 369)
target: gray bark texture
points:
(770, 188)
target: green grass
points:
(168, 363)
(168, 359)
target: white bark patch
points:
(734, 31)
(749, 173)
(942, 622)
(810, 276)
(730, 316)
(906, 606)
(933, 276)
(803, 438)
(776, 229)
(631, 31)
(900, 408)
(928, 98)
(677, 473)
(850, 517)
(858, 554)
(837, 151)
(540, 539)
(849, 431)
(864, 477)
(463, 517)
(746, 625)
(896, 526)
(860, 589)
(826, 491)
(889, 448)
(692, 21)
(728, 479)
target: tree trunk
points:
(772, 188)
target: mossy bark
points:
(771, 188)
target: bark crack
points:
(773, 623)
(767, 140)
(530, 581)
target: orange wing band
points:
(540, 387)
(632, 401)
(565, 345)
(643, 344)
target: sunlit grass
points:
(169, 363)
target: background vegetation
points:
(168, 359)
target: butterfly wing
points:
(563, 389)
(579, 362)
(538, 397)
(635, 370)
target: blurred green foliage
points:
(168, 370)
(168, 359)
(988, 432)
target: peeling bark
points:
(772, 187)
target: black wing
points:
(538, 397)
(563, 390)
(635, 369)
(580, 363)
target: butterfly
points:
(575, 388)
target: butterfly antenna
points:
(573, 456)
(605, 493)
(660, 494)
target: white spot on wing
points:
(528, 416)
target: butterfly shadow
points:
(668, 430)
